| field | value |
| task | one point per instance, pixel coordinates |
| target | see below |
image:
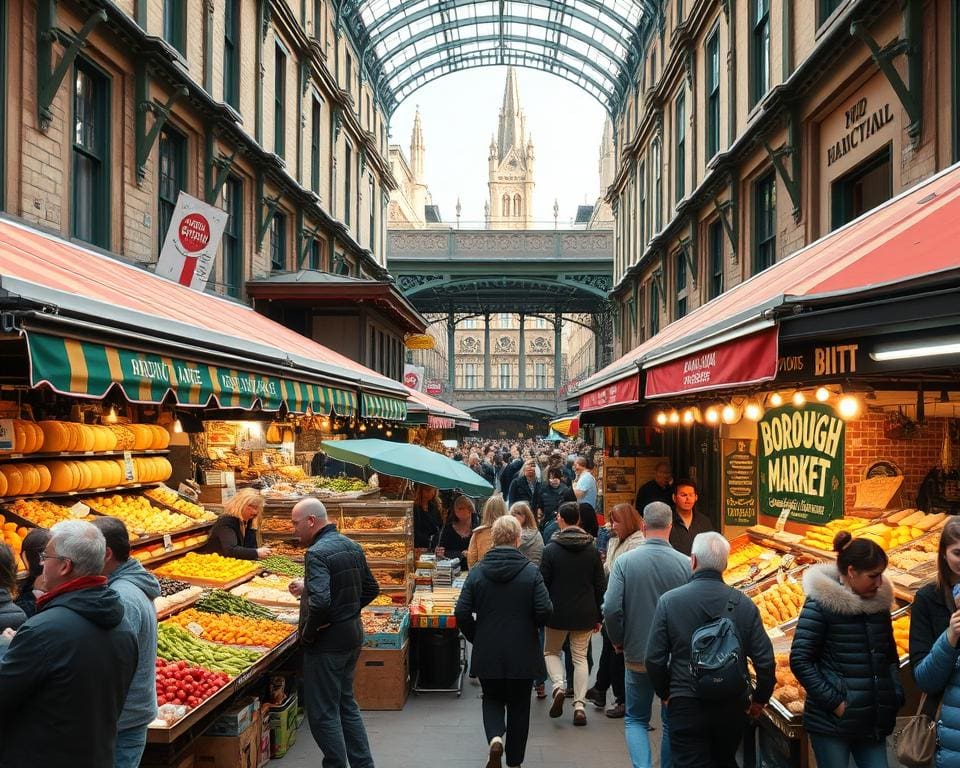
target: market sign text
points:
(801, 462)
(859, 127)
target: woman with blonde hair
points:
(481, 541)
(456, 534)
(531, 542)
(236, 532)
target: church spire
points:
(417, 148)
(512, 121)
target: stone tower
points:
(417, 151)
(510, 161)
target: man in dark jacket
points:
(688, 522)
(65, 677)
(336, 585)
(506, 592)
(526, 487)
(510, 471)
(138, 588)
(552, 494)
(705, 732)
(659, 488)
(573, 573)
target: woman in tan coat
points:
(482, 539)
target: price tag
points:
(782, 520)
(775, 633)
(167, 542)
(230, 481)
(79, 510)
(187, 492)
(7, 434)
(128, 474)
(194, 628)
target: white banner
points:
(190, 244)
(413, 376)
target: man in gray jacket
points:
(706, 732)
(137, 588)
(637, 581)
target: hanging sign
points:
(190, 243)
(739, 481)
(413, 376)
(801, 462)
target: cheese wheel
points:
(30, 479)
(44, 472)
(164, 469)
(109, 439)
(14, 479)
(73, 436)
(142, 437)
(55, 436)
(86, 476)
(88, 438)
(37, 434)
(162, 438)
(3, 484)
(20, 440)
(61, 477)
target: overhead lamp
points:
(674, 417)
(848, 407)
(325, 422)
(822, 394)
(661, 418)
(712, 415)
(177, 426)
(798, 399)
(944, 347)
(389, 433)
(309, 412)
(689, 417)
(730, 414)
(363, 427)
(753, 410)
(111, 417)
(775, 400)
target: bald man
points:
(336, 585)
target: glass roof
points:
(594, 44)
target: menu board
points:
(619, 475)
(741, 498)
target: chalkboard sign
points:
(739, 481)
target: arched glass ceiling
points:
(594, 44)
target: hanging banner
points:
(801, 463)
(190, 243)
(738, 481)
(623, 392)
(434, 387)
(413, 376)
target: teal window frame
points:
(171, 176)
(759, 49)
(347, 178)
(315, 128)
(642, 208)
(315, 256)
(317, 17)
(712, 81)
(715, 259)
(656, 162)
(764, 222)
(825, 9)
(680, 119)
(279, 101)
(90, 123)
(231, 53)
(681, 283)
(232, 247)
(175, 24)
(654, 308)
(278, 242)
(843, 190)
(372, 190)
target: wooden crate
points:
(382, 679)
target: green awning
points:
(87, 369)
(381, 407)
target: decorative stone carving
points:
(410, 282)
(506, 344)
(540, 345)
(470, 345)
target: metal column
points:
(523, 354)
(486, 352)
(451, 352)
(557, 356)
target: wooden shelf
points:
(77, 495)
(4, 457)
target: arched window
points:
(516, 205)
(506, 205)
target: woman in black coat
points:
(845, 656)
(501, 608)
(235, 533)
(426, 517)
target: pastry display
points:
(787, 689)
(377, 524)
(779, 603)
(393, 550)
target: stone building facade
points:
(510, 162)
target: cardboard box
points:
(241, 751)
(215, 495)
(236, 718)
(382, 678)
(263, 717)
(283, 727)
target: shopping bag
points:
(915, 737)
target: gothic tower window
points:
(516, 205)
(506, 205)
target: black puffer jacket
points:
(11, 615)
(336, 585)
(506, 592)
(573, 573)
(844, 651)
(929, 617)
(227, 538)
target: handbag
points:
(915, 737)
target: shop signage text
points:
(625, 391)
(739, 483)
(248, 386)
(156, 370)
(801, 462)
(190, 242)
(859, 127)
(831, 360)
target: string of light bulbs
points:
(753, 407)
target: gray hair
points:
(711, 550)
(312, 507)
(657, 516)
(82, 544)
(506, 530)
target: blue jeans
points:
(836, 751)
(332, 711)
(129, 747)
(639, 701)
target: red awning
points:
(750, 360)
(913, 235)
(622, 392)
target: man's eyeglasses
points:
(45, 556)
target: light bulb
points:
(753, 411)
(325, 423)
(111, 417)
(389, 433)
(363, 427)
(776, 400)
(712, 415)
(177, 426)
(848, 407)
(798, 399)
(674, 417)
(730, 414)
(822, 394)
(661, 419)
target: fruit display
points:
(276, 525)
(177, 644)
(220, 602)
(373, 523)
(170, 498)
(281, 564)
(43, 514)
(140, 516)
(280, 598)
(779, 603)
(12, 535)
(901, 634)
(271, 581)
(390, 578)
(182, 684)
(287, 549)
(169, 600)
(394, 550)
(382, 600)
(231, 629)
(337, 484)
(173, 586)
(212, 568)
(383, 622)
(157, 549)
(787, 689)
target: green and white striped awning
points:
(87, 369)
(382, 407)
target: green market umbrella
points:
(411, 462)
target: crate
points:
(385, 640)
(242, 751)
(382, 678)
(283, 726)
(236, 719)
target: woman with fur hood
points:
(845, 656)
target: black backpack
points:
(717, 663)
